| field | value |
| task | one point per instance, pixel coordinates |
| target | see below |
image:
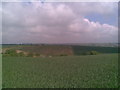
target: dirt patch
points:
(20, 51)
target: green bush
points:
(37, 54)
(94, 53)
(30, 55)
(12, 52)
(63, 54)
(21, 54)
(91, 53)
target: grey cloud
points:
(55, 23)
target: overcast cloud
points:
(57, 23)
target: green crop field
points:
(0, 71)
(91, 71)
(78, 50)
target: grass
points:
(97, 71)
(0, 71)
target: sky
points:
(80, 22)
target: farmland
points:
(59, 50)
(0, 71)
(97, 71)
(72, 71)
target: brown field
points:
(48, 50)
(45, 50)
